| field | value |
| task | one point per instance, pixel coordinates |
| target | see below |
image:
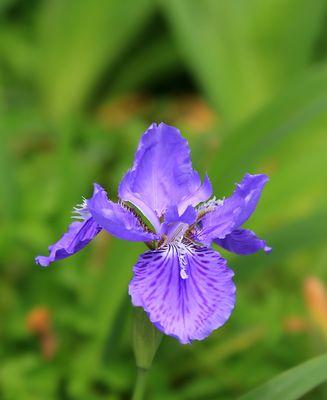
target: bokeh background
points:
(246, 82)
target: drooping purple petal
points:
(186, 291)
(233, 211)
(118, 220)
(162, 175)
(79, 234)
(243, 242)
(218, 223)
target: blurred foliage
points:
(292, 384)
(246, 82)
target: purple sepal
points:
(117, 219)
(243, 242)
(79, 234)
(187, 306)
(233, 211)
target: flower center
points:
(177, 234)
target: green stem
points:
(140, 384)
(146, 340)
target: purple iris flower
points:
(183, 284)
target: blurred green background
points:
(246, 82)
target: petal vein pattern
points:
(187, 308)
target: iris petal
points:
(248, 193)
(233, 211)
(188, 307)
(188, 216)
(162, 175)
(119, 221)
(203, 193)
(175, 225)
(243, 242)
(79, 234)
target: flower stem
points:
(140, 384)
(146, 340)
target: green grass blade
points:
(153, 60)
(294, 383)
(287, 141)
(242, 52)
(77, 41)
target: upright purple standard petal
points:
(248, 193)
(79, 234)
(243, 242)
(231, 213)
(186, 291)
(203, 193)
(119, 221)
(162, 175)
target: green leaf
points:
(153, 60)
(286, 140)
(242, 52)
(146, 339)
(109, 292)
(77, 41)
(294, 383)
